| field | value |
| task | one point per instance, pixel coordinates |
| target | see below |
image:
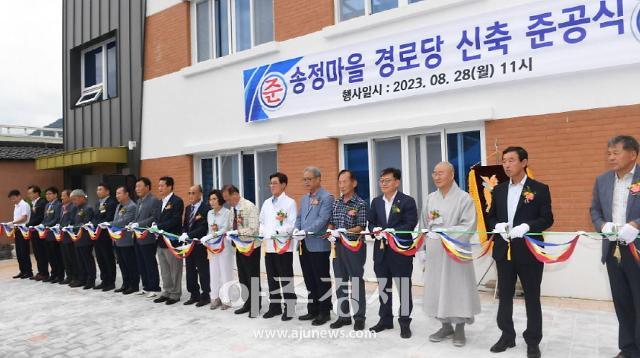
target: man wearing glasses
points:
(391, 211)
(313, 217)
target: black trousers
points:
(348, 268)
(128, 267)
(87, 263)
(249, 277)
(70, 261)
(280, 282)
(530, 275)
(23, 253)
(198, 268)
(105, 258)
(624, 278)
(391, 268)
(148, 266)
(55, 259)
(40, 252)
(315, 271)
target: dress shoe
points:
(19, 275)
(39, 277)
(26, 275)
(502, 345)
(358, 326)
(533, 351)
(66, 281)
(121, 289)
(443, 333)
(242, 310)
(272, 313)
(171, 301)
(130, 290)
(89, 286)
(47, 279)
(340, 322)
(76, 284)
(321, 319)
(107, 288)
(308, 317)
(379, 327)
(190, 301)
(405, 332)
(203, 302)
(100, 286)
(161, 299)
(285, 317)
(152, 295)
(620, 355)
(55, 280)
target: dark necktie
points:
(235, 219)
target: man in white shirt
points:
(277, 221)
(21, 215)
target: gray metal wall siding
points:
(115, 121)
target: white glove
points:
(104, 225)
(332, 238)
(334, 233)
(134, 226)
(501, 228)
(628, 233)
(206, 238)
(609, 230)
(154, 226)
(217, 234)
(390, 230)
(299, 233)
(183, 237)
(232, 232)
(343, 231)
(519, 231)
(433, 235)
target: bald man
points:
(450, 293)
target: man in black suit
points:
(195, 227)
(39, 246)
(393, 210)
(83, 214)
(51, 217)
(71, 267)
(518, 206)
(169, 220)
(104, 213)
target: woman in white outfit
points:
(221, 264)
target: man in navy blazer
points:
(615, 212)
(393, 211)
(313, 217)
(519, 206)
(51, 215)
(195, 226)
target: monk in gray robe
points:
(450, 293)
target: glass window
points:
(383, 5)
(425, 152)
(229, 170)
(263, 21)
(387, 155)
(243, 24)
(93, 67)
(463, 151)
(112, 70)
(248, 178)
(351, 8)
(414, 1)
(222, 27)
(356, 159)
(206, 170)
(267, 165)
(203, 38)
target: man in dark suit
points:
(169, 220)
(148, 207)
(83, 214)
(125, 214)
(615, 212)
(51, 217)
(391, 211)
(39, 246)
(67, 213)
(195, 227)
(518, 206)
(104, 212)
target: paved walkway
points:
(46, 320)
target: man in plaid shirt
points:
(349, 217)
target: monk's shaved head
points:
(443, 175)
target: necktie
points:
(235, 219)
(192, 215)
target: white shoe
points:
(141, 293)
(152, 295)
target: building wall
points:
(179, 167)
(116, 121)
(293, 158)
(28, 176)
(298, 18)
(167, 46)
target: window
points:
(230, 26)
(387, 155)
(425, 151)
(463, 151)
(99, 72)
(349, 9)
(356, 159)
(248, 170)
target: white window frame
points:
(217, 178)
(231, 26)
(98, 87)
(404, 149)
(368, 8)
